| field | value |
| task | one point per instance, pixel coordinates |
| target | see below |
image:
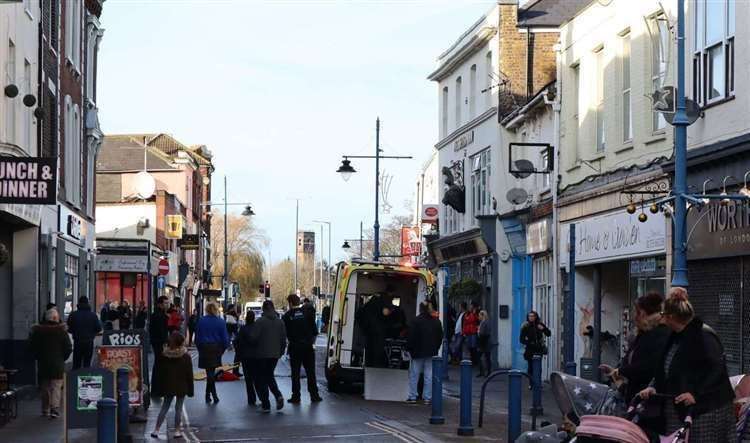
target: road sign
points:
(163, 266)
(160, 282)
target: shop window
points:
(71, 284)
(713, 50)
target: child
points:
(176, 380)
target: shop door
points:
(544, 306)
(717, 294)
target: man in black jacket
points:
(301, 332)
(425, 337)
(83, 325)
(158, 333)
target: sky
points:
(279, 91)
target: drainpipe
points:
(554, 183)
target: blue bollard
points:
(514, 404)
(123, 405)
(106, 423)
(437, 392)
(536, 386)
(464, 427)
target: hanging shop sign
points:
(28, 180)
(537, 237)
(70, 225)
(614, 236)
(430, 213)
(189, 242)
(411, 244)
(174, 226)
(121, 263)
(719, 230)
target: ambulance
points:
(371, 308)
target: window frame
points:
(481, 177)
(626, 87)
(601, 132)
(459, 98)
(703, 69)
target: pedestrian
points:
(141, 316)
(301, 331)
(483, 344)
(533, 334)
(125, 314)
(469, 331)
(212, 340)
(104, 316)
(457, 343)
(645, 350)
(693, 371)
(232, 323)
(83, 325)
(248, 356)
(175, 381)
(192, 323)
(50, 345)
(425, 338)
(325, 315)
(157, 331)
(269, 337)
(114, 315)
(174, 319)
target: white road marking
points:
(401, 435)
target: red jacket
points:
(470, 324)
(175, 319)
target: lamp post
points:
(361, 240)
(346, 170)
(328, 272)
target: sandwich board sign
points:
(83, 389)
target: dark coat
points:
(157, 327)
(268, 336)
(642, 359)
(175, 373)
(50, 345)
(697, 367)
(245, 348)
(125, 314)
(300, 326)
(533, 338)
(140, 319)
(83, 324)
(425, 336)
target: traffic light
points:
(267, 289)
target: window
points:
(73, 31)
(577, 108)
(660, 46)
(71, 283)
(77, 157)
(481, 171)
(459, 99)
(73, 160)
(489, 74)
(627, 113)
(27, 114)
(10, 106)
(600, 128)
(444, 116)
(713, 58)
(544, 160)
(472, 91)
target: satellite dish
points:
(517, 196)
(145, 185)
(524, 168)
(692, 109)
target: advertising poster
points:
(89, 391)
(114, 357)
(410, 242)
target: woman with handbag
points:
(533, 333)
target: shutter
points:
(60, 275)
(83, 287)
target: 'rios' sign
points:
(28, 180)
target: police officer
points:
(301, 332)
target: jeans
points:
(303, 356)
(418, 366)
(82, 353)
(51, 394)
(265, 381)
(211, 382)
(165, 408)
(250, 368)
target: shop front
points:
(617, 258)
(125, 271)
(539, 247)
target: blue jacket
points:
(211, 329)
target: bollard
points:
(123, 405)
(106, 424)
(464, 426)
(437, 392)
(514, 404)
(536, 386)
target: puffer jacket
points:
(51, 346)
(268, 336)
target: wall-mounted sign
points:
(614, 236)
(189, 242)
(719, 230)
(430, 213)
(70, 225)
(463, 141)
(537, 237)
(411, 244)
(28, 180)
(174, 226)
(74, 226)
(121, 263)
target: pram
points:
(396, 353)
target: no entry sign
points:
(163, 266)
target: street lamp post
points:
(346, 170)
(328, 272)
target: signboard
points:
(121, 263)
(189, 242)
(114, 357)
(537, 237)
(411, 244)
(160, 282)
(70, 225)
(430, 213)
(129, 337)
(163, 266)
(614, 236)
(83, 388)
(28, 180)
(174, 227)
(89, 390)
(29, 213)
(463, 141)
(719, 230)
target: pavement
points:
(343, 415)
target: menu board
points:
(114, 357)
